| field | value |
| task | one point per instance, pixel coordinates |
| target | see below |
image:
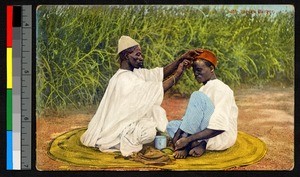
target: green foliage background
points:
(76, 47)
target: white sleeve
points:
(220, 117)
(156, 74)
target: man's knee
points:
(200, 97)
(196, 97)
(148, 135)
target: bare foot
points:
(177, 136)
(181, 154)
(198, 150)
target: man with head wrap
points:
(129, 113)
(210, 121)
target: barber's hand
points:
(190, 55)
(187, 63)
(181, 143)
(182, 66)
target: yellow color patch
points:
(9, 67)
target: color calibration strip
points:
(19, 54)
(9, 140)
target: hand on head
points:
(182, 66)
(199, 53)
(187, 63)
(189, 57)
(199, 50)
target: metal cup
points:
(160, 142)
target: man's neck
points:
(126, 66)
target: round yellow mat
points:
(68, 148)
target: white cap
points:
(126, 42)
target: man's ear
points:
(126, 56)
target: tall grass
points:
(76, 47)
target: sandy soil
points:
(266, 113)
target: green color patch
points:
(9, 109)
(68, 148)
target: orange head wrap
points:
(207, 55)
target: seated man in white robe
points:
(130, 111)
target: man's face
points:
(136, 59)
(201, 71)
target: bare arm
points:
(205, 134)
(202, 135)
(171, 68)
(167, 84)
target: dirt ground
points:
(267, 113)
